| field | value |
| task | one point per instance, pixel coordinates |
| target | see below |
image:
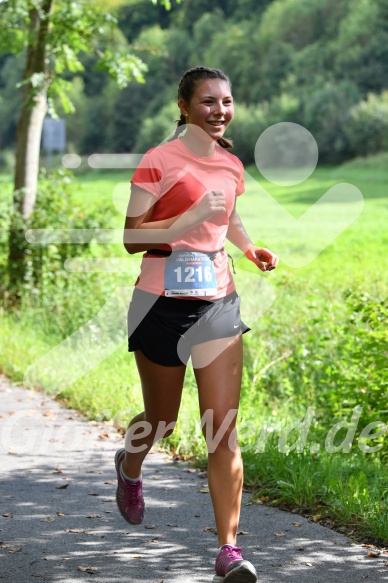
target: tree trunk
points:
(29, 133)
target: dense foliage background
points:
(321, 63)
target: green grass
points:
(348, 489)
(287, 354)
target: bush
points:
(367, 126)
(7, 161)
(245, 129)
(48, 288)
(156, 129)
(338, 365)
(360, 367)
(326, 114)
(6, 190)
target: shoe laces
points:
(132, 492)
(233, 552)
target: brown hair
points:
(186, 89)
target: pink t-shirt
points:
(178, 178)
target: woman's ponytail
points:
(224, 143)
(180, 127)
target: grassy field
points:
(298, 355)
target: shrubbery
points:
(336, 366)
(48, 288)
(367, 126)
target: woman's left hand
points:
(258, 255)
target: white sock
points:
(125, 477)
(218, 550)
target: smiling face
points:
(210, 108)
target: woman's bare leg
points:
(162, 391)
(219, 386)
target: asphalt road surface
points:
(59, 521)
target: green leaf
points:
(68, 61)
(60, 88)
(122, 67)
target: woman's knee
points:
(159, 428)
(220, 437)
(143, 431)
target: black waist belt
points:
(211, 254)
(161, 252)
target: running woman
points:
(181, 210)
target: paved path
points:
(58, 513)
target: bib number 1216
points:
(189, 273)
(193, 274)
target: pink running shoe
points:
(231, 568)
(129, 497)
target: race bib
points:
(189, 273)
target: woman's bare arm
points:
(237, 234)
(261, 256)
(141, 234)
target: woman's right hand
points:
(212, 202)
